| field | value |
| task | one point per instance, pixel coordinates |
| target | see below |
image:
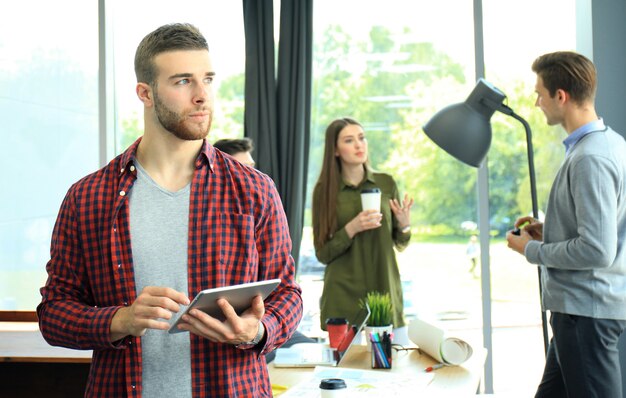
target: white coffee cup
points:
(333, 388)
(370, 199)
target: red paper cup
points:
(337, 329)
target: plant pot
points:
(375, 329)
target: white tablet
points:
(239, 296)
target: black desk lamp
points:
(464, 131)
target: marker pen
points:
(434, 367)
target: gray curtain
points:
(278, 109)
(260, 91)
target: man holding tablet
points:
(169, 217)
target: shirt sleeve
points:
(338, 243)
(593, 241)
(283, 308)
(334, 247)
(65, 316)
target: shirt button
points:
(133, 386)
(132, 168)
(122, 193)
(125, 302)
(122, 170)
(119, 265)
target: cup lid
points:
(336, 321)
(332, 384)
(370, 190)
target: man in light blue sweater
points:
(581, 246)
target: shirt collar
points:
(128, 157)
(369, 176)
(582, 131)
(205, 157)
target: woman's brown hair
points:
(327, 186)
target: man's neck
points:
(579, 116)
(168, 160)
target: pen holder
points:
(381, 351)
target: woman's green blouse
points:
(365, 263)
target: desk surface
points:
(463, 380)
(23, 342)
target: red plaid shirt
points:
(237, 233)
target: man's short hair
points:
(568, 71)
(234, 145)
(172, 37)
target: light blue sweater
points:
(583, 255)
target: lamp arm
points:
(531, 165)
(529, 149)
(533, 196)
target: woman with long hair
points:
(357, 245)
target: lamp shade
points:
(464, 130)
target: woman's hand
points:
(402, 211)
(367, 219)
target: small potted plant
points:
(381, 317)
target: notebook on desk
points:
(310, 355)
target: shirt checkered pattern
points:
(238, 233)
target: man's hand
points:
(235, 329)
(151, 307)
(518, 242)
(531, 230)
(532, 226)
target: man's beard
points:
(175, 123)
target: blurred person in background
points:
(357, 246)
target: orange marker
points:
(434, 367)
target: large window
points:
(392, 70)
(510, 48)
(49, 134)
(49, 107)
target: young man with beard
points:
(581, 245)
(167, 218)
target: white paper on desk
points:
(362, 383)
(438, 343)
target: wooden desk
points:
(30, 367)
(23, 342)
(461, 380)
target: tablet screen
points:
(239, 296)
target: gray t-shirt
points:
(159, 222)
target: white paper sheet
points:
(362, 383)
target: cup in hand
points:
(337, 329)
(370, 199)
